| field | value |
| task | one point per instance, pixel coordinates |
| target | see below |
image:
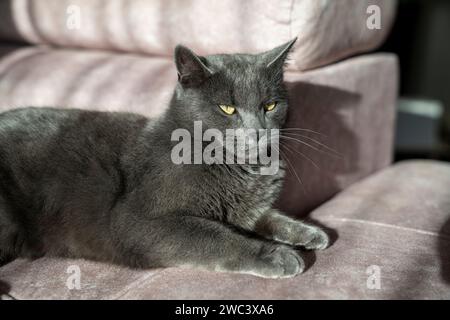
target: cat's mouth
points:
(259, 153)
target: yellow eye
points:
(227, 109)
(270, 106)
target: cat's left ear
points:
(192, 69)
(275, 58)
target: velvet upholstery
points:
(396, 220)
(391, 219)
(327, 30)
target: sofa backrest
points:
(326, 30)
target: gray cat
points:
(102, 186)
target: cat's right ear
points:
(192, 70)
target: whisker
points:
(315, 141)
(305, 143)
(303, 129)
(300, 153)
(293, 169)
(279, 153)
(334, 153)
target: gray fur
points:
(102, 185)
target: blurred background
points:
(420, 38)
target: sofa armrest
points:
(352, 105)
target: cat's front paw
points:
(314, 238)
(280, 261)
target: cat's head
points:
(231, 91)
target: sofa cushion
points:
(393, 243)
(327, 30)
(41, 76)
(351, 104)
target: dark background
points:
(421, 39)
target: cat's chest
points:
(240, 196)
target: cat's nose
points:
(253, 121)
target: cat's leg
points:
(276, 226)
(9, 234)
(208, 244)
(13, 241)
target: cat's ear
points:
(192, 70)
(275, 58)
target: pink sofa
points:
(392, 222)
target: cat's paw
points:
(314, 238)
(280, 261)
